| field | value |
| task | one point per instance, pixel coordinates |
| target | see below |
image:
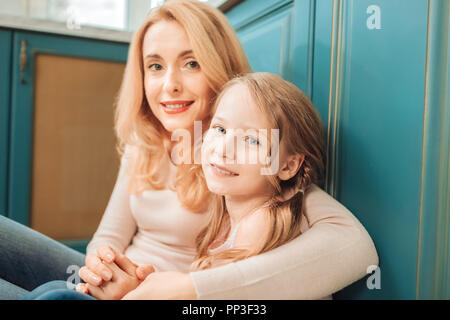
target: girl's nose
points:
(172, 81)
(226, 147)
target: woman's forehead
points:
(165, 35)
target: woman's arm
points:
(331, 255)
(117, 226)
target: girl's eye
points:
(219, 129)
(252, 141)
(193, 64)
(155, 67)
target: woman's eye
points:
(252, 141)
(219, 129)
(193, 64)
(155, 67)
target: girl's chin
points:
(219, 190)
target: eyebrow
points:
(157, 56)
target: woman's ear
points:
(291, 166)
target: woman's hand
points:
(163, 286)
(110, 275)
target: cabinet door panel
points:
(266, 41)
(5, 75)
(63, 159)
(379, 103)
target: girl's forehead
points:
(236, 95)
(237, 106)
(235, 98)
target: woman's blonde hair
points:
(221, 57)
(290, 111)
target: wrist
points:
(188, 288)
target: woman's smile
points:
(173, 107)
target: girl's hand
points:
(110, 274)
(124, 280)
(95, 271)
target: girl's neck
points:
(239, 207)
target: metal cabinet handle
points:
(23, 60)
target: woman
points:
(178, 61)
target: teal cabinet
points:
(5, 69)
(378, 72)
(277, 37)
(38, 93)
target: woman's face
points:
(175, 86)
(235, 147)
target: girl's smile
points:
(222, 171)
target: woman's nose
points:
(172, 81)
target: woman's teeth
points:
(176, 106)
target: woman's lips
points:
(172, 107)
(221, 171)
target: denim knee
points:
(46, 287)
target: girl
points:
(252, 213)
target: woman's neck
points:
(239, 207)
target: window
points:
(126, 15)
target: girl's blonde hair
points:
(221, 57)
(288, 109)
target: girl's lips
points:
(172, 107)
(221, 171)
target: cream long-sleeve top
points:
(333, 251)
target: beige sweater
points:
(333, 251)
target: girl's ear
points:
(291, 166)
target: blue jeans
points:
(29, 259)
(55, 290)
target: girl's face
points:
(234, 148)
(175, 86)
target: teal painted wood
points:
(433, 275)
(299, 69)
(321, 57)
(273, 29)
(378, 97)
(5, 76)
(251, 10)
(277, 37)
(22, 105)
(323, 42)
